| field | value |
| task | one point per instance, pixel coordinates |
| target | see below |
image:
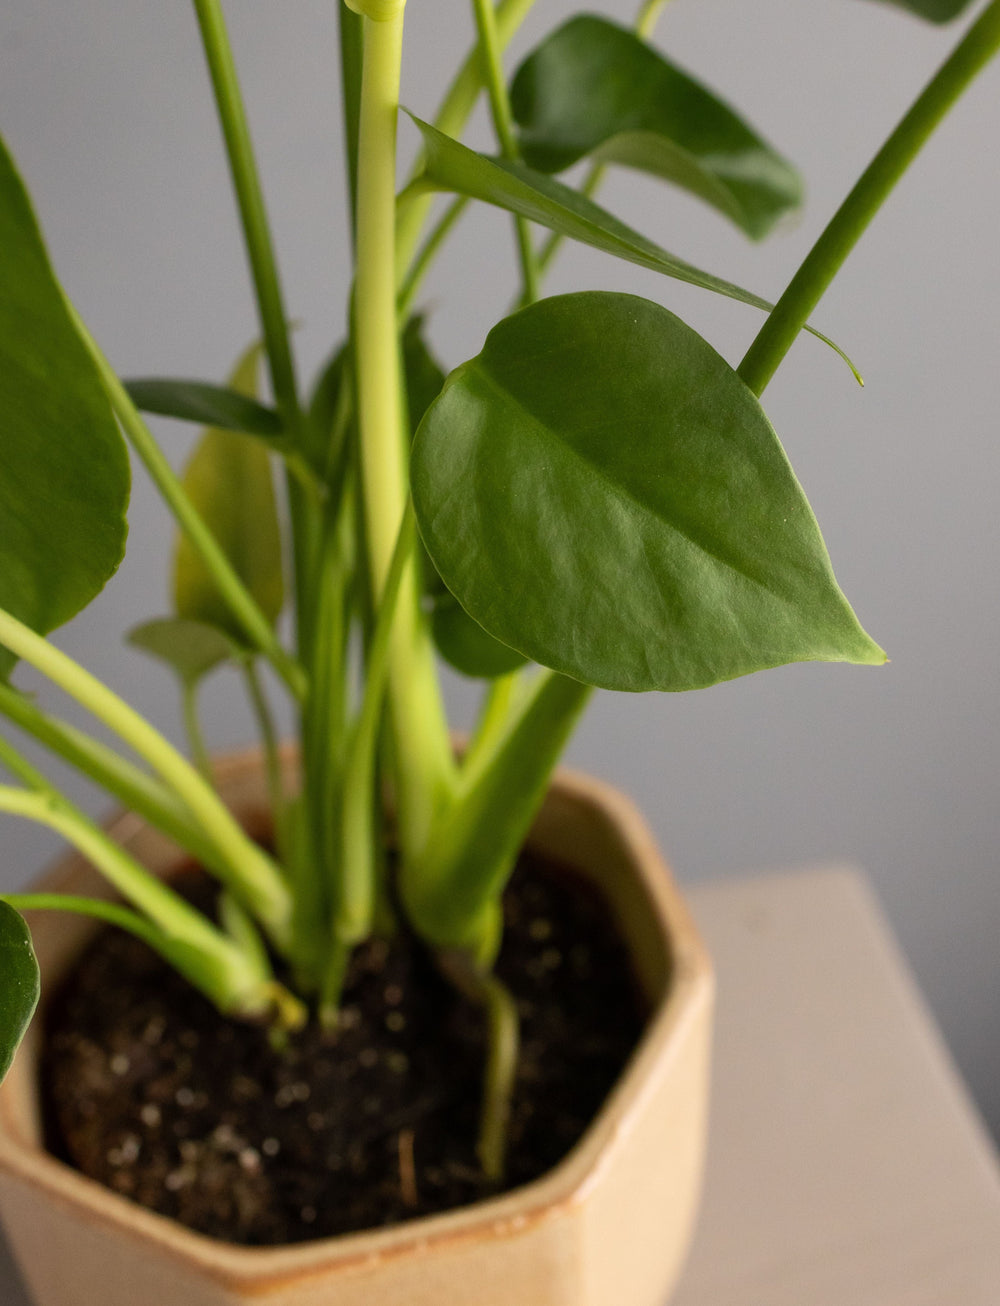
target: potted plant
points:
(595, 499)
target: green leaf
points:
(424, 375)
(452, 166)
(191, 648)
(464, 644)
(321, 414)
(229, 481)
(461, 641)
(19, 983)
(938, 11)
(424, 379)
(209, 405)
(64, 471)
(594, 88)
(601, 491)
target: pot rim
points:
(688, 988)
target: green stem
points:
(501, 1073)
(244, 608)
(426, 255)
(272, 757)
(236, 989)
(111, 913)
(207, 957)
(503, 1044)
(648, 17)
(451, 117)
(589, 187)
(503, 123)
(350, 91)
(192, 728)
(358, 879)
(250, 198)
(422, 747)
(452, 895)
(267, 284)
(136, 789)
(248, 871)
(980, 43)
(497, 710)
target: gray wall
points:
(106, 107)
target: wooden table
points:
(847, 1166)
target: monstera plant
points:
(595, 499)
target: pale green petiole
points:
(424, 765)
(976, 49)
(503, 124)
(132, 786)
(452, 895)
(255, 625)
(243, 866)
(357, 887)
(451, 117)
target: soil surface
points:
(148, 1090)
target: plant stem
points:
(426, 255)
(648, 17)
(357, 885)
(501, 1073)
(136, 789)
(267, 284)
(497, 708)
(980, 43)
(243, 606)
(207, 957)
(424, 764)
(243, 867)
(111, 913)
(246, 183)
(192, 728)
(452, 896)
(350, 90)
(451, 117)
(503, 1043)
(272, 759)
(503, 124)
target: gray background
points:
(105, 105)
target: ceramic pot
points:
(608, 1226)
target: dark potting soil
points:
(148, 1090)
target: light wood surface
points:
(847, 1166)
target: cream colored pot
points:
(609, 1226)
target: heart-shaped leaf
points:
(422, 372)
(229, 481)
(602, 492)
(19, 983)
(594, 88)
(64, 471)
(452, 166)
(461, 641)
(191, 648)
(464, 644)
(208, 405)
